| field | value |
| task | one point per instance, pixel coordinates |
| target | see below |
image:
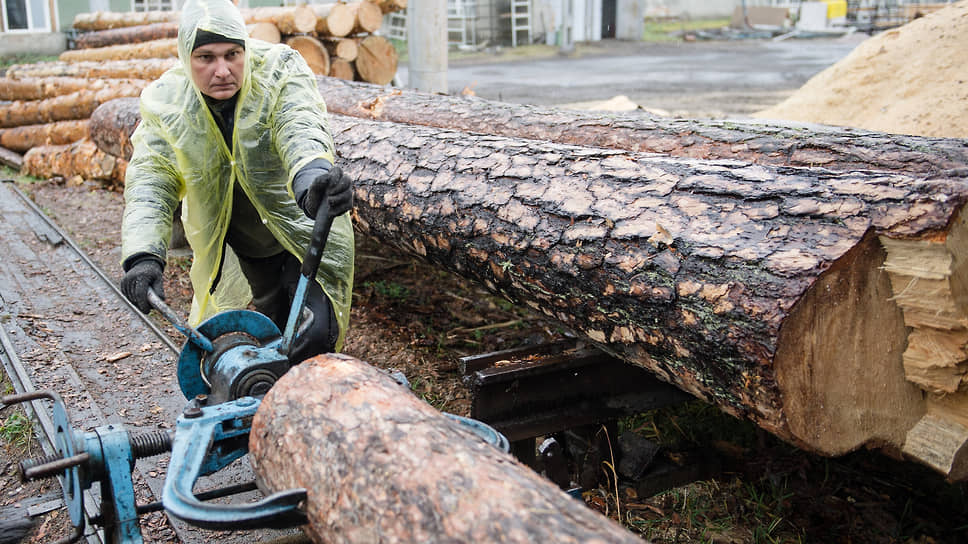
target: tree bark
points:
(21, 139)
(49, 87)
(126, 35)
(113, 123)
(289, 20)
(379, 464)
(266, 32)
(11, 158)
(156, 49)
(81, 159)
(312, 51)
(333, 20)
(106, 20)
(794, 297)
(775, 142)
(377, 60)
(150, 69)
(78, 105)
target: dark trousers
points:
(273, 282)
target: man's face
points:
(217, 69)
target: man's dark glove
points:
(318, 180)
(143, 274)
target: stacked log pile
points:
(46, 106)
(807, 299)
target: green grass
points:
(671, 31)
(24, 58)
(17, 430)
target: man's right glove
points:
(143, 273)
(318, 180)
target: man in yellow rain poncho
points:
(238, 133)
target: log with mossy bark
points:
(765, 142)
(126, 35)
(381, 465)
(826, 306)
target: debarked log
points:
(828, 307)
(131, 34)
(154, 49)
(77, 105)
(380, 465)
(764, 142)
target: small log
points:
(265, 31)
(367, 17)
(342, 69)
(78, 105)
(289, 20)
(22, 139)
(106, 20)
(776, 143)
(380, 465)
(333, 20)
(113, 123)
(126, 35)
(342, 48)
(11, 158)
(150, 69)
(377, 60)
(49, 87)
(312, 51)
(81, 158)
(156, 49)
(940, 443)
(389, 6)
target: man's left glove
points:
(320, 180)
(143, 273)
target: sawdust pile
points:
(909, 80)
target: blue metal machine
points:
(226, 365)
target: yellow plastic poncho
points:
(180, 156)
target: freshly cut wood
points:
(333, 20)
(367, 17)
(105, 20)
(131, 34)
(49, 87)
(312, 51)
(774, 142)
(157, 49)
(342, 69)
(113, 123)
(389, 6)
(770, 291)
(380, 465)
(118, 69)
(81, 158)
(78, 105)
(289, 20)
(343, 48)
(11, 158)
(377, 60)
(23, 138)
(264, 31)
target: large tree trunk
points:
(116, 69)
(37, 88)
(377, 60)
(113, 123)
(134, 34)
(776, 143)
(381, 465)
(23, 138)
(78, 105)
(156, 49)
(803, 299)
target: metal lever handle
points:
(207, 442)
(314, 254)
(193, 335)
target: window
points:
(154, 5)
(25, 15)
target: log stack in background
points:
(46, 106)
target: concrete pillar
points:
(629, 19)
(427, 45)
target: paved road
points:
(734, 77)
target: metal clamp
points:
(206, 440)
